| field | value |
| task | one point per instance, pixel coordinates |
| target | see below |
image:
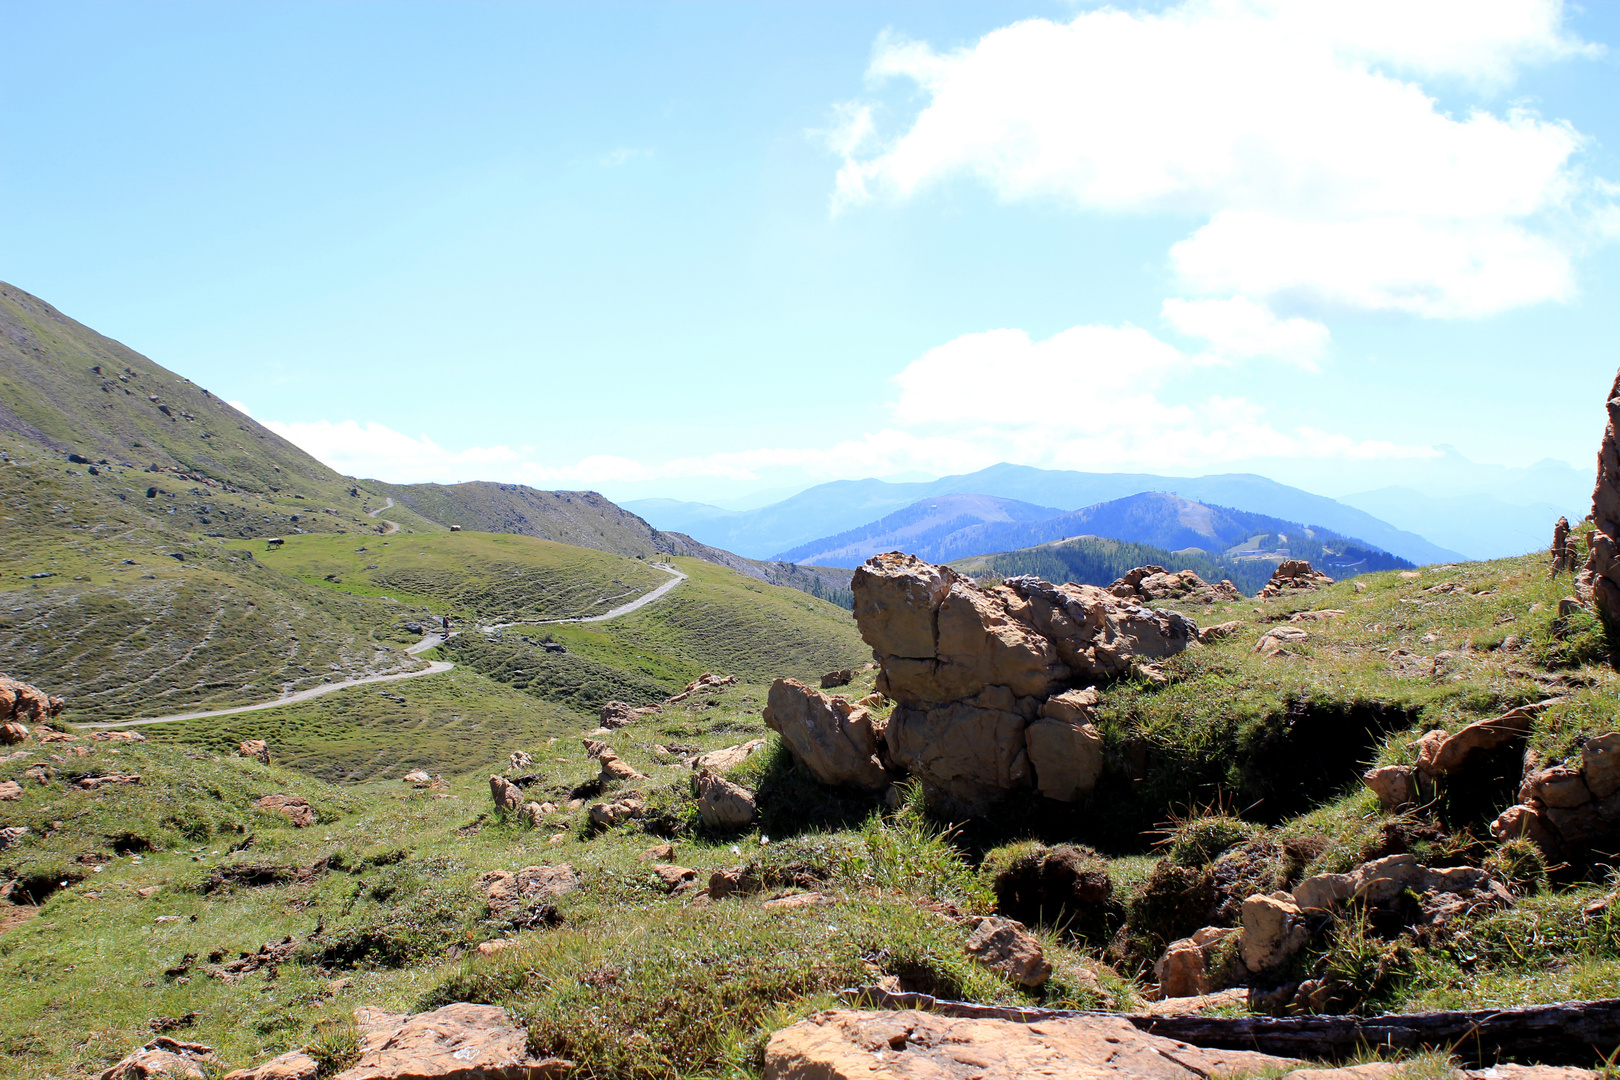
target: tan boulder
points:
(1382, 881)
(1395, 785)
(165, 1059)
(455, 1042)
(13, 734)
(1293, 574)
(659, 852)
(608, 814)
(505, 891)
(1561, 786)
(1211, 634)
(1005, 947)
(847, 1044)
(117, 736)
(1147, 583)
(1451, 753)
(613, 768)
(1526, 822)
(418, 778)
(486, 949)
(1073, 706)
(673, 878)
(92, 783)
(1185, 969)
(722, 804)
(22, 702)
(841, 677)
(835, 740)
(796, 900)
(617, 714)
(519, 761)
(1273, 931)
(1067, 757)
(1600, 764)
(257, 749)
(727, 757)
(506, 795)
(294, 808)
(293, 1065)
(10, 791)
(1319, 615)
(1279, 639)
(530, 815)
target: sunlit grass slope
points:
(486, 577)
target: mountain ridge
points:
(843, 505)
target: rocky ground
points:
(1055, 797)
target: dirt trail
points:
(428, 641)
(393, 526)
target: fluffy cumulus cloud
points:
(1093, 397)
(1241, 328)
(1300, 133)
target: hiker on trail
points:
(446, 620)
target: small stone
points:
(1005, 947)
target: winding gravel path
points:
(393, 526)
(429, 641)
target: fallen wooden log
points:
(1562, 1033)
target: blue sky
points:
(709, 250)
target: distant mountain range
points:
(949, 527)
(844, 506)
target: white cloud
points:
(1240, 327)
(1288, 125)
(1084, 363)
(1086, 398)
(240, 407)
(371, 449)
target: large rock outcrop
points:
(1599, 582)
(984, 677)
(837, 741)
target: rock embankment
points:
(1599, 582)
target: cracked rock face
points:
(993, 685)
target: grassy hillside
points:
(70, 390)
(454, 723)
(488, 577)
(717, 621)
(731, 624)
(1238, 775)
(581, 518)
